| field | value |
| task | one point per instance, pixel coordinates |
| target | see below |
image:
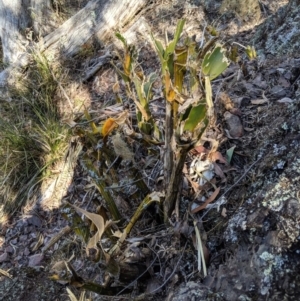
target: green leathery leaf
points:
(122, 39)
(170, 64)
(181, 54)
(159, 48)
(215, 62)
(148, 86)
(76, 222)
(229, 153)
(138, 87)
(145, 127)
(196, 115)
(171, 47)
(122, 74)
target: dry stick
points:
(142, 296)
(104, 59)
(231, 187)
(66, 230)
(6, 274)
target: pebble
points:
(35, 260)
(234, 125)
(23, 238)
(26, 251)
(35, 221)
(4, 257)
(9, 249)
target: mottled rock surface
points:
(280, 34)
(264, 233)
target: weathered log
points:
(99, 18)
(13, 19)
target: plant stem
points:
(168, 158)
(173, 188)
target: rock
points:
(279, 92)
(35, 221)
(234, 125)
(23, 238)
(9, 249)
(4, 257)
(26, 251)
(246, 11)
(279, 35)
(14, 241)
(191, 291)
(35, 260)
(264, 233)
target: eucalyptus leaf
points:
(122, 74)
(229, 153)
(196, 115)
(148, 86)
(145, 127)
(215, 62)
(171, 47)
(159, 48)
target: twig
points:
(66, 230)
(6, 274)
(101, 61)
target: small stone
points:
(33, 235)
(4, 257)
(26, 251)
(279, 91)
(9, 249)
(35, 221)
(234, 125)
(23, 238)
(35, 260)
(14, 241)
(21, 224)
(19, 257)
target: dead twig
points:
(66, 230)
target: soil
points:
(250, 237)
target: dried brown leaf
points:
(209, 200)
(99, 222)
(219, 172)
(217, 156)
